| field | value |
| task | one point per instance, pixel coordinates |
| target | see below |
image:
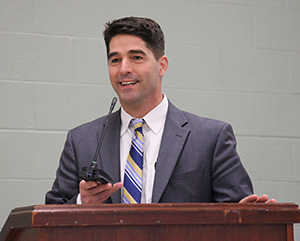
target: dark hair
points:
(147, 29)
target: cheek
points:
(110, 72)
(112, 69)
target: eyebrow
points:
(112, 54)
(133, 51)
(137, 51)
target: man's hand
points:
(94, 193)
(256, 199)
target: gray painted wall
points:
(234, 60)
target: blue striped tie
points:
(133, 177)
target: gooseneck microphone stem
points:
(112, 106)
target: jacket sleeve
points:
(230, 181)
(65, 188)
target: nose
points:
(126, 67)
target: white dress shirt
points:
(152, 129)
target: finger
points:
(99, 193)
(88, 185)
(100, 188)
(272, 201)
(262, 199)
(112, 189)
(117, 186)
(88, 190)
(250, 199)
(107, 193)
(94, 195)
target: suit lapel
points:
(110, 152)
(172, 142)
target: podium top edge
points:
(157, 206)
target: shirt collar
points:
(155, 119)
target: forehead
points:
(126, 42)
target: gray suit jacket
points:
(197, 161)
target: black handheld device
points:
(93, 173)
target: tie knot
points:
(137, 123)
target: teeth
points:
(128, 83)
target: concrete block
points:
(62, 107)
(16, 16)
(255, 71)
(267, 159)
(296, 160)
(293, 4)
(297, 232)
(30, 154)
(264, 3)
(71, 18)
(20, 193)
(295, 73)
(278, 115)
(277, 29)
(35, 58)
(90, 62)
(169, 15)
(237, 109)
(218, 25)
(177, 97)
(193, 67)
(281, 191)
(17, 105)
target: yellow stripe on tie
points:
(137, 125)
(139, 136)
(128, 196)
(135, 166)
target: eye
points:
(137, 57)
(114, 60)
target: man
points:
(186, 158)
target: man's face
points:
(134, 72)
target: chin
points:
(129, 100)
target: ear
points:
(163, 65)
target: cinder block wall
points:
(234, 60)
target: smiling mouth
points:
(128, 83)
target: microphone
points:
(92, 173)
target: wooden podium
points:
(214, 222)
